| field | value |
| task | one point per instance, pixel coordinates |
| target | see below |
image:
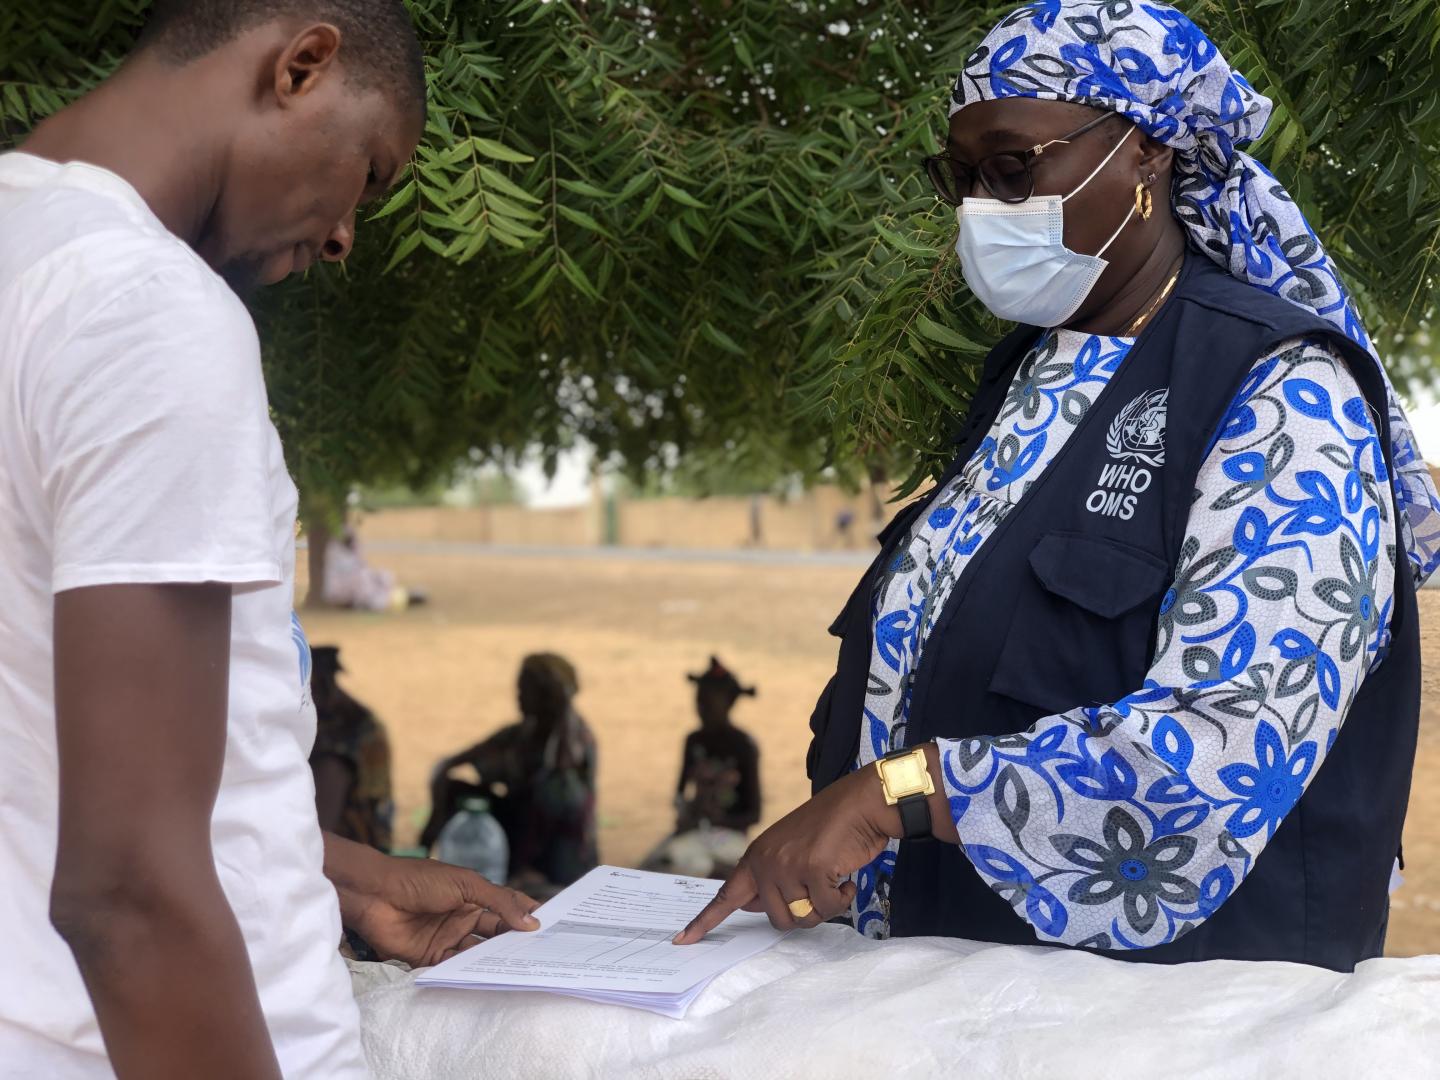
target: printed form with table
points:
(607, 938)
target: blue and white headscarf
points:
(1153, 65)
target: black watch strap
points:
(915, 817)
(914, 810)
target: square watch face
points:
(905, 774)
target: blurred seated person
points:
(538, 776)
(718, 796)
(351, 759)
(720, 773)
(351, 582)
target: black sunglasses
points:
(1006, 176)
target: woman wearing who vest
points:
(1142, 673)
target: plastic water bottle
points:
(475, 840)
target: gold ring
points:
(802, 908)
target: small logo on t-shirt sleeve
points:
(302, 646)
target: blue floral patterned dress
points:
(1117, 826)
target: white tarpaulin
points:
(829, 1003)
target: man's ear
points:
(306, 62)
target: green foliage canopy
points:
(701, 227)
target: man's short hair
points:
(379, 48)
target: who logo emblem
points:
(1138, 431)
(1137, 435)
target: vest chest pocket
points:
(1084, 623)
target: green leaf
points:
(16, 102)
(647, 211)
(502, 205)
(683, 197)
(943, 335)
(573, 274)
(904, 243)
(584, 220)
(680, 236)
(1415, 189)
(499, 151)
(720, 338)
(509, 227)
(747, 237)
(1284, 142)
(542, 285)
(403, 250)
(504, 236)
(580, 187)
(633, 186)
(499, 182)
(398, 201)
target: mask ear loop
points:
(1116, 234)
(1096, 171)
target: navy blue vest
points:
(1058, 609)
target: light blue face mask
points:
(1014, 258)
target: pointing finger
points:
(738, 891)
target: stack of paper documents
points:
(607, 938)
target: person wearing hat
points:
(717, 799)
(350, 760)
(539, 776)
(720, 772)
(1141, 673)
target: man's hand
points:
(418, 910)
(811, 853)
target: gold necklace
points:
(1135, 327)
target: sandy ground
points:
(442, 676)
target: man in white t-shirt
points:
(164, 908)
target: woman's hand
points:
(809, 853)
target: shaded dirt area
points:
(442, 676)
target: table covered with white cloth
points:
(829, 1003)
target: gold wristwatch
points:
(905, 776)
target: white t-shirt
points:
(136, 446)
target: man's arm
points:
(141, 690)
(684, 766)
(482, 757)
(334, 777)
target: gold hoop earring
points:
(1144, 202)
